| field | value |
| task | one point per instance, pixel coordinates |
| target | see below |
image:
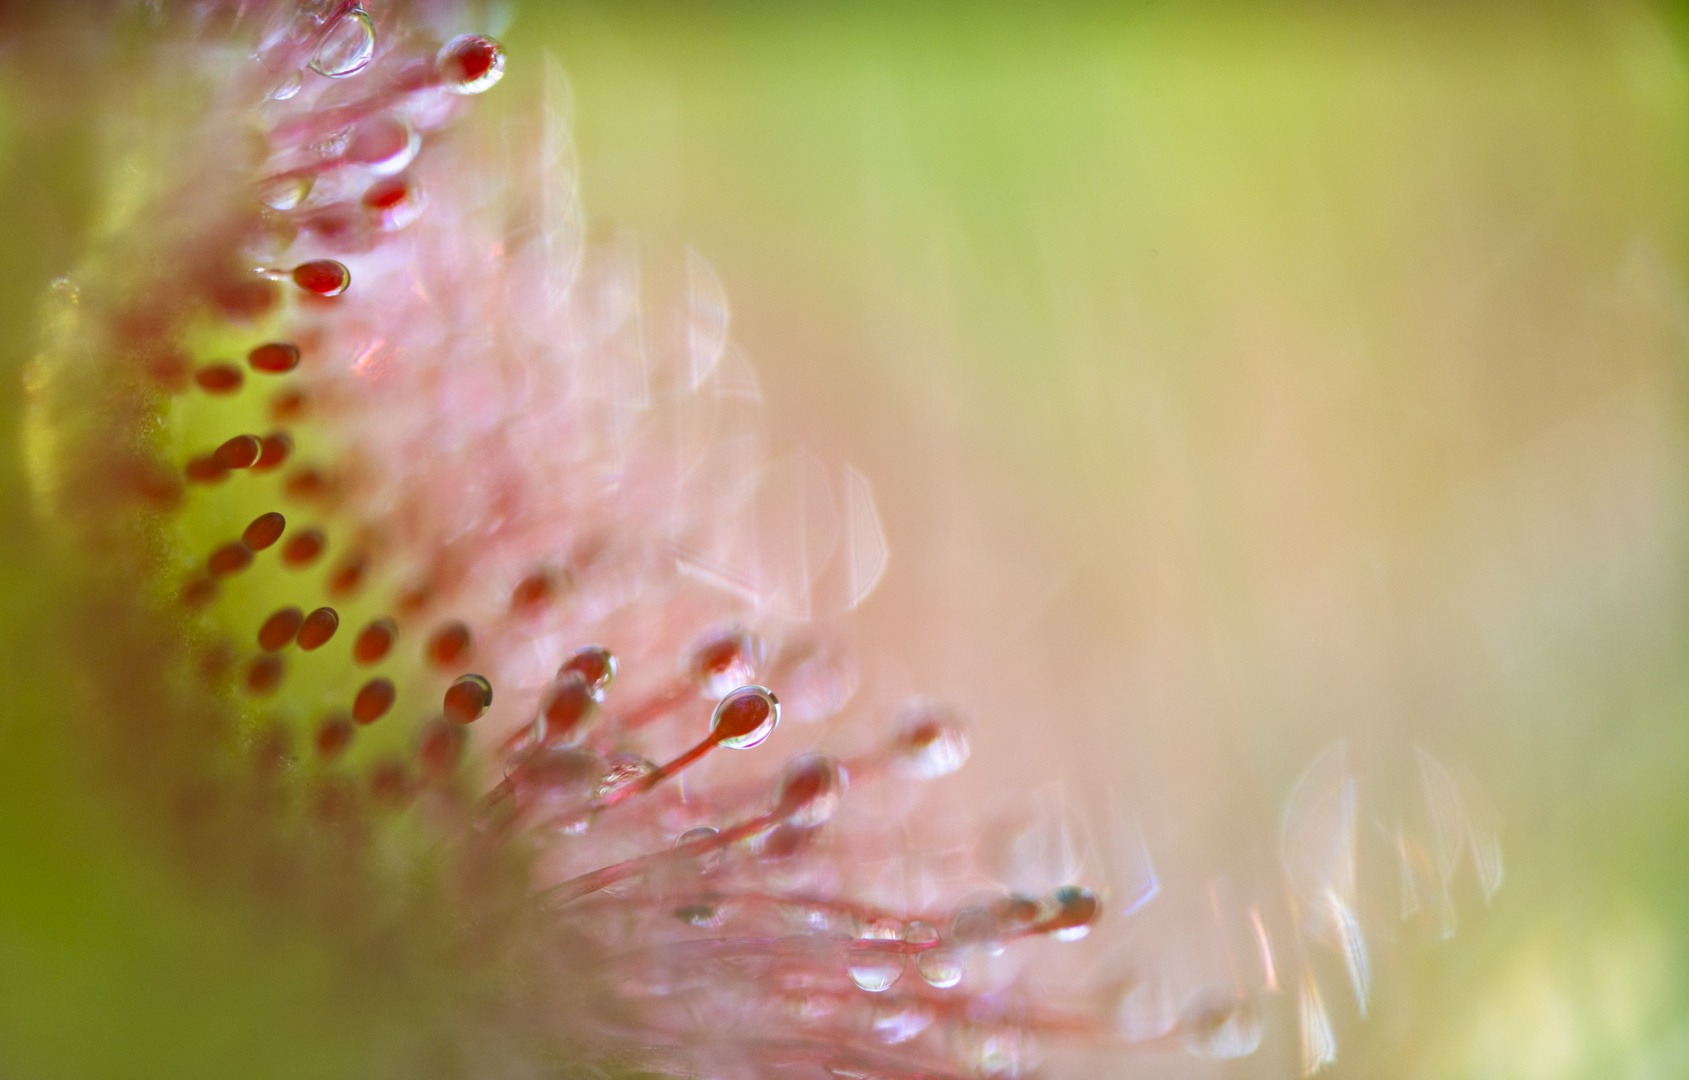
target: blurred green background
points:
(1232, 380)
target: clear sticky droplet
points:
(1145, 1011)
(324, 277)
(264, 531)
(1221, 1026)
(704, 914)
(745, 718)
(278, 631)
(285, 192)
(874, 969)
(810, 790)
(288, 85)
(625, 770)
(347, 48)
(467, 698)
(899, 1023)
(975, 926)
(1069, 912)
(383, 144)
(930, 743)
(240, 452)
(374, 641)
(318, 628)
(1015, 913)
(921, 934)
(394, 201)
(941, 968)
(566, 712)
(703, 834)
(554, 773)
(725, 661)
(274, 357)
(999, 1052)
(470, 64)
(596, 666)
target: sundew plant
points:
(842, 542)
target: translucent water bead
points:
(348, 47)
(744, 718)
(470, 64)
(724, 661)
(1221, 1026)
(874, 967)
(930, 742)
(810, 790)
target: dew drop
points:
(703, 835)
(921, 934)
(1145, 1011)
(624, 770)
(1221, 1026)
(1069, 912)
(975, 926)
(305, 485)
(941, 967)
(170, 371)
(274, 451)
(533, 593)
(441, 747)
(783, 841)
(930, 743)
(348, 575)
(274, 358)
(288, 405)
(334, 735)
(449, 644)
(245, 299)
(1004, 1052)
(470, 64)
(374, 642)
(324, 277)
(595, 664)
(394, 201)
(348, 46)
(198, 592)
(1014, 913)
(231, 558)
(560, 777)
(264, 531)
(810, 791)
(265, 673)
(704, 914)
(319, 626)
(290, 84)
(467, 699)
(205, 469)
(726, 661)
(389, 784)
(219, 378)
(285, 192)
(874, 968)
(374, 699)
(279, 630)
(745, 718)
(567, 710)
(899, 1023)
(383, 144)
(239, 452)
(303, 549)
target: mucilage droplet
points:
(348, 46)
(745, 718)
(470, 64)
